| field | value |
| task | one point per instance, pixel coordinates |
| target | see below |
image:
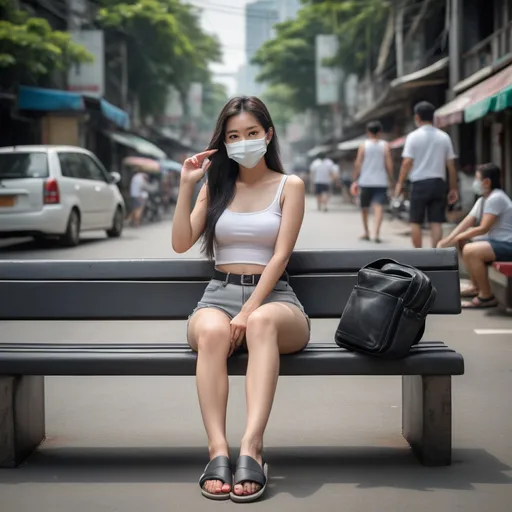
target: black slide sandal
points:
(218, 468)
(248, 470)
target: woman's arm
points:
(291, 222)
(465, 224)
(488, 220)
(187, 227)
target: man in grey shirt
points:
(427, 153)
(484, 236)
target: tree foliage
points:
(289, 58)
(29, 48)
(166, 45)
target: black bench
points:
(169, 289)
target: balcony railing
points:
(488, 51)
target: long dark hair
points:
(223, 171)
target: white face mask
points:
(247, 152)
(478, 188)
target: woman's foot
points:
(468, 292)
(480, 303)
(216, 481)
(248, 488)
(365, 237)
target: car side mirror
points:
(116, 177)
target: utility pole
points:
(455, 42)
(399, 37)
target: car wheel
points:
(117, 224)
(72, 236)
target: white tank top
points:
(249, 237)
(373, 170)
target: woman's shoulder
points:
(293, 182)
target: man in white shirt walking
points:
(323, 173)
(427, 153)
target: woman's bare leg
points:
(476, 255)
(273, 329)
(209, 336)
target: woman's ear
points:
(270, 134)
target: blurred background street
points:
(101, 101)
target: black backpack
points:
(386, 311)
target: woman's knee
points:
(469, 250)
(261, 324)
(212, 336)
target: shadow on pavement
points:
(299, 471)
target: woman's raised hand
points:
(193, 169)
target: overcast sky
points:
(226, 19)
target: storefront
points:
(484, 118)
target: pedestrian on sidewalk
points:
(323, 174)
(373, 175)
(427, 153)
(138, 195)
(249, 214)
(484, 236)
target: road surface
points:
(137, 443)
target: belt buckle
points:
(244, 282)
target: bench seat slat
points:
(179, 360)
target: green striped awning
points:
(499, 101)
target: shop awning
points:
(352, 144)
(491, 95)
(495, 103)
(35, 98)
(391, 100)
(142, 146)
(116, 115)
(171, 166)
(314, 152)
(55, 100)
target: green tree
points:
(30, 49)
(166, 45)
(276, 97)
(289, 58)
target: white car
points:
(57, 191)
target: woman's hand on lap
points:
(238, 327)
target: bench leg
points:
(427, 417)
(22, 426)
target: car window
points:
(71, 166)
(94, 171)
(23, 165)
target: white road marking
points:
(493, 331)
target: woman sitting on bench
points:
(249, 214)
(484, 236)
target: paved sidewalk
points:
(333, 443)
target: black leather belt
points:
(242, 279)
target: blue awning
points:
(51, 100)
(116, 115)
(34, 98)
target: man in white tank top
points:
(373, 174)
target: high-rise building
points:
(260, 17)
(288, 9)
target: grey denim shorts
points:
(230, 298)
